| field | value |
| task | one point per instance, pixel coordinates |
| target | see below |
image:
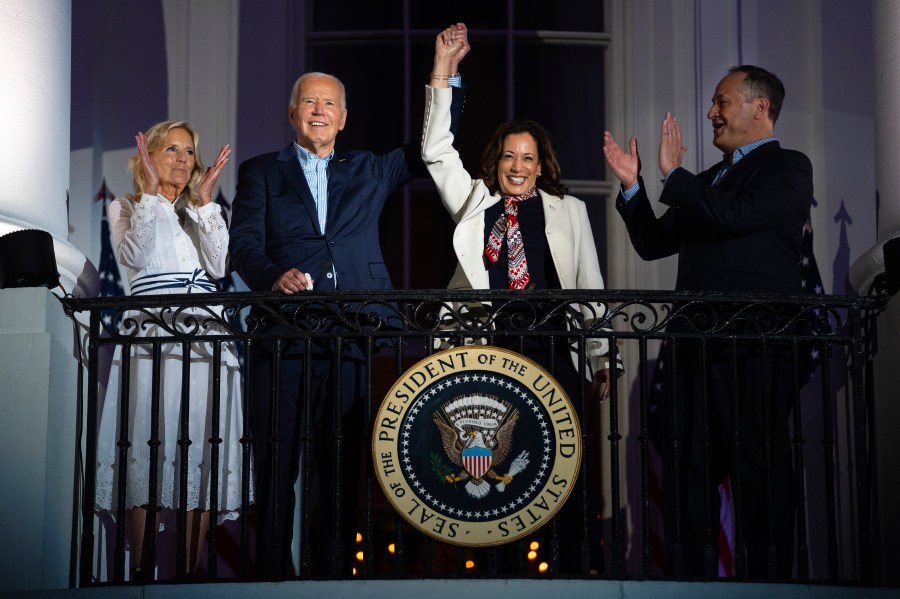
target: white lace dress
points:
(164, 248)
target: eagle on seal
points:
(477, 449)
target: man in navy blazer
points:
(736, 227)
(307, 218)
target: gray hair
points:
(306, 76)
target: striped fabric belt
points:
(197, 281)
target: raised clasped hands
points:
(671, 152)
(450, 46)
(209, 177)
(453, 43)
(459, 36)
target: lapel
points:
(558, 237)
(552, 205)
(480, 203)
(293, 174)
(337, 181)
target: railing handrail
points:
(613, 295)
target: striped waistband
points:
(190, 282)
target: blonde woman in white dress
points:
(172, 239)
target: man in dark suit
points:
(303, 218)
(736, 227)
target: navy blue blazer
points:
(742, 235)
(274, 225)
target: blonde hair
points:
(156, 137)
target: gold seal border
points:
(404, 394)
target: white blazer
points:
(567, 227)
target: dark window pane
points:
(562, 87)
(573, 15)
(430, 230)
(476, 14)
(352, 16)
(373, 75)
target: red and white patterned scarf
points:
(507, 226)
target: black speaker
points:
(27, 259)
(891, 251)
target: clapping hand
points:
(208, 180)
(671, 152)
(625, 166)
(149, 172)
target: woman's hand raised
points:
(208, 180)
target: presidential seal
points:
(476, 446)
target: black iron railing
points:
(827, 343)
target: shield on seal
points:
(476, 461)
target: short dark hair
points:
(550, 173)
(760, 83)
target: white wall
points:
(37, 440)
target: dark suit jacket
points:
(275, 228)
(742, 235)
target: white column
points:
(37, 441)
(886, 28)
(886, 50)
(36, 62)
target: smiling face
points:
(317, 114)
(174, 162)
(737, 120)
(519, 165)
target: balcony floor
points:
(453, 589)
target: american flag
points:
(110, 281)
(810, 282)
(810, 279)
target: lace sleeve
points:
(213, 234)
(133, 230)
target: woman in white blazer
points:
(517, 229)
(519, 161)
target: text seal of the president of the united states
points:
(476, 446)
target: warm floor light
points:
(534, 546)
(532, 555)
(391, 548)
(543, 567)
(359, 537)
(470, 564)
(359, 555)
(354, 570)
